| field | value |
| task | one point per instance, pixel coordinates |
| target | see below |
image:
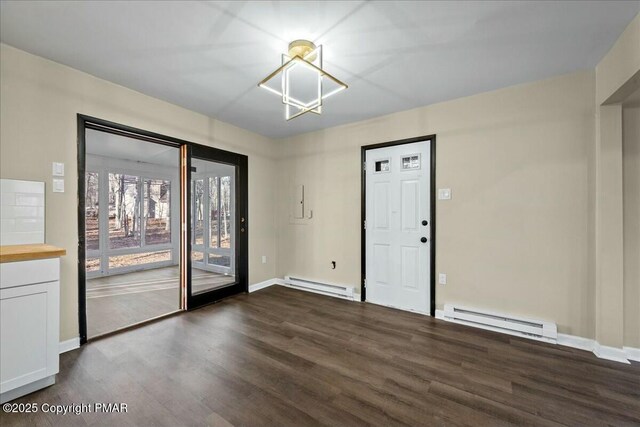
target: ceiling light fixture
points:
(303, 84)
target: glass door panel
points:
(218, 218)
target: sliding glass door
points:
(218, 223)
(162, 226)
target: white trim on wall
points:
(632, 353)
(69, 345)
(586, 344)
(610, 353)
(265, 284)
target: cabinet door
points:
(29, 329)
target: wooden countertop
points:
(12, 253)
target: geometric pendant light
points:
(300, 81)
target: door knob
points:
(423, 239)
(425, 222)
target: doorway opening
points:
(398, 224)
(132, 241)
(137, 192)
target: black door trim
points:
(88, 122)
(363, 212)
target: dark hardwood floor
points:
(281, 357)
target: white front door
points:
(398, 226)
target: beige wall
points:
(631, 185)
(617, 77)
(40, 100)
(514, 236)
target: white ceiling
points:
(209, 56)
(112, 146)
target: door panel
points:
(397, 261)
(382, 264)
(410, 267)
(410, 204)
(218, 221)
(381, 205)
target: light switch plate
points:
(58, 185)
(264, 259)
(442, 278)
(444, 194)
(57, 169)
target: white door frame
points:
(363, 213)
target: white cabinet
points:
(29, 326)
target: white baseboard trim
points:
(262, 285)
(602, 351)
(69, 345)
(440, 314)
(632, 353)
(576, 342)
(610, 353)
(622, 355)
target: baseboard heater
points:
(340, 291)
(527, 328)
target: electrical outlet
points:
(442, 278)
(264, 259)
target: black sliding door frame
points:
(187, 148)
